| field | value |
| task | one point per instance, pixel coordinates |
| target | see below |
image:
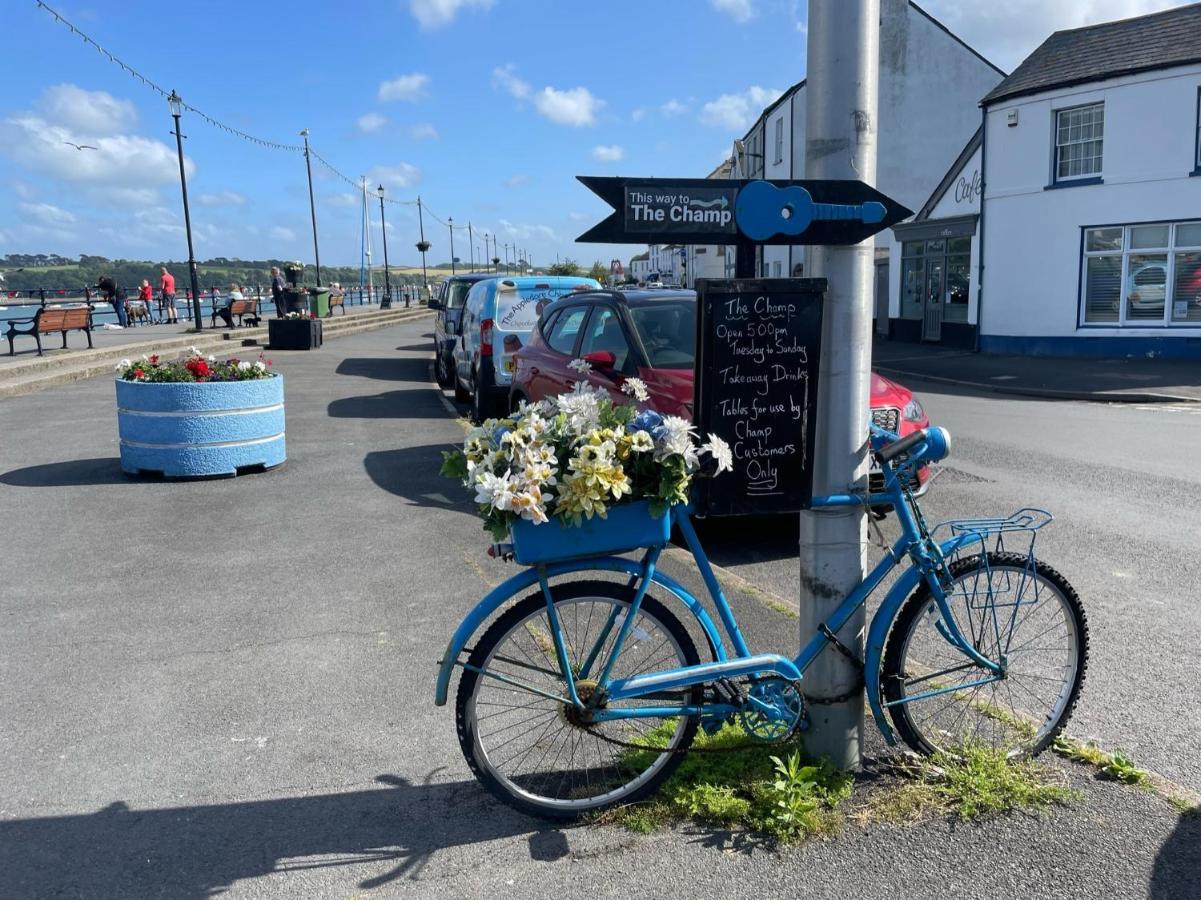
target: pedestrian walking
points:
(110, 293)
(166, 288)
(277, 291)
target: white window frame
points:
(779, 141)
(1125, 253)
(1197, 147)
(1056, 146)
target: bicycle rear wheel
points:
(1012, 610)
(539, 754)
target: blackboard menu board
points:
(758, 345)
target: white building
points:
(930, 85)
(640, 267)
(1091, 211)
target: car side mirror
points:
(601, 359)
(435, 303)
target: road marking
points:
(1188, 410)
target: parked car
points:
(497, 319)
(448, 301)
(1147, 288)
(651, 334)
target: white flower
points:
(145, 357)
(642, 442)
(495, 490)
(244, 366)
(720, 451)
(529, 505)
(192, 351)
(123, 365)
(259, 367)
(582, 410)
(212, 359)
(580, 365)
(636, 388)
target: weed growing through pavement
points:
(760, 787)
(966, 783)
(1116, 765)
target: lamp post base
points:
(386, 303)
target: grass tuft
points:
(969, 783)
(754, 787)
(1116, 766)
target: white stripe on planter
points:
(196, 413)
(194, 445)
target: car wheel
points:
(461, 393)
(481, 406)
(442, 371)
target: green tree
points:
(566, 267)
(598, 271)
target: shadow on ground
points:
(412, 474)
(386, 368)
(199, 851)
(415, 403)
(72, 473)
(1178, 866)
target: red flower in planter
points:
(198, 367)
(138, 373)
(154, 359)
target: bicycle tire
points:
(919, 737)
(503, 786)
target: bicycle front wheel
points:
(529, 746)
(1012, 610)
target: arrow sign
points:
(725, 211)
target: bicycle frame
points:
(925, 557)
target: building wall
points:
(1032, 254)
(777, 257)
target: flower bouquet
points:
(196, 367)
(578, 455)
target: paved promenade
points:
(226, 687)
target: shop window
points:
(1079, 136)
(913, 278)
(1197, 150)
(779, 140)
(1142, 275)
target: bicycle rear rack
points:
(1016, 534)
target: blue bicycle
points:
(585, 693)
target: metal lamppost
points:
(471, 246)
(386, 303)
(176, 105)
(506, 259)
(450, 223)
(423, 246)
(312, 206)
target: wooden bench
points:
(48, 321)
(338, 300)
(247, 312)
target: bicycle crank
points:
(774, 708)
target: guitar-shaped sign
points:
(764, 210)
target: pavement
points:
(1104, 380)
(226, 686)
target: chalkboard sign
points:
(758, 345)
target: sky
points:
(487, 109)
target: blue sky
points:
(486, 108)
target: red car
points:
(651, 335)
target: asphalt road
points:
(226, 686)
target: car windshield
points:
(457, 295)
(668, 332)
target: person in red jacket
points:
(167, 295)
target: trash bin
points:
(319, 301)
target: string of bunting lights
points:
(228, 129)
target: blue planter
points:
(200, 428)
(628, 527)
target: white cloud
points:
(423, 132)
(401, 175)
(24, 190)
(1007, 32)
(86, 112)
(344, 199)
(526, 232)
(608, 153)
(408, 88)
(639, 114)
(127, 197)
(517, 181)
(575, 107)
(741, 11)
(436, 13)
(577, 216)
(735, 112)
(673, 107)
(369, 123)
(222, 198)
(47, 214)
(505, 78)
(281, 233)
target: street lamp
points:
(386, 303)
(312, 206)
(423, 246)
(450, 220)
(471, 246)
(176, 105)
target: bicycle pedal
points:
(726, 691)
